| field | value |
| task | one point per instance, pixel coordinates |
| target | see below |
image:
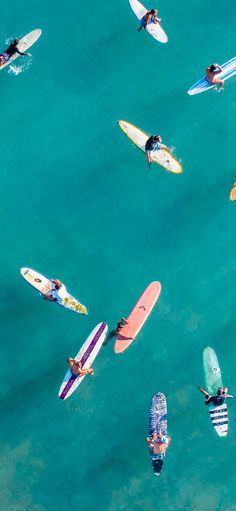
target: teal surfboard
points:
(213, 380)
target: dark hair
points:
(157, 137)
(219, 391)
(213, 67)
(16, 41)
(153, 11)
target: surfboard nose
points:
(23, 270)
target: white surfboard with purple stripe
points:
(86, 356)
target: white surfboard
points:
(24, 43)
(44, 286)
(162, 157)
(229, 69)
(86, 356)
(153, 29)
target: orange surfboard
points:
(233, 193)
(138, 317)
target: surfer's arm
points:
(20, 52)
(84, 372)
(219, 69)
(163, 146)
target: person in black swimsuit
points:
(153, 142)
(121, 323)
(217, 400)
(10, 51)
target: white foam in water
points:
(16, 70)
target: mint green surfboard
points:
(212, 372)
(213, 380)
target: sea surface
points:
(78, 202)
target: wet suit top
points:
(217, 400)
(152, 144)
(13, 49)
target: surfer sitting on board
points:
(217, 400)
(153, 143)
(149, 17)
(115, 332)
(57, 291)
(76, 368)
(120, 324)
(211, 73)
(158, 443)
(10, 51)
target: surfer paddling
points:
(154, 143)
(76, 368)
(158, 443)
(211, 73)
(149, 17)
(10, 51)
(217, 400)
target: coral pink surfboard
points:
(138, 317)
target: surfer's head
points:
(154, 12)
(57, 283)
(157, 138)
(219, 391)
(212, 68)
(16, 41)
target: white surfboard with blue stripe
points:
(228, 70)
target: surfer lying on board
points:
(153, 143)
(57, 291)
(10, 51)
(149, 17)
(211, 73)
(158, 443)
(76, 368)
(217, 400)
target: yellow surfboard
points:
(139, 138)
(44, 286)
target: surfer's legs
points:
(219, 82)
(204, 392)
(143, 25)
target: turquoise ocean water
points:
(78, 202)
